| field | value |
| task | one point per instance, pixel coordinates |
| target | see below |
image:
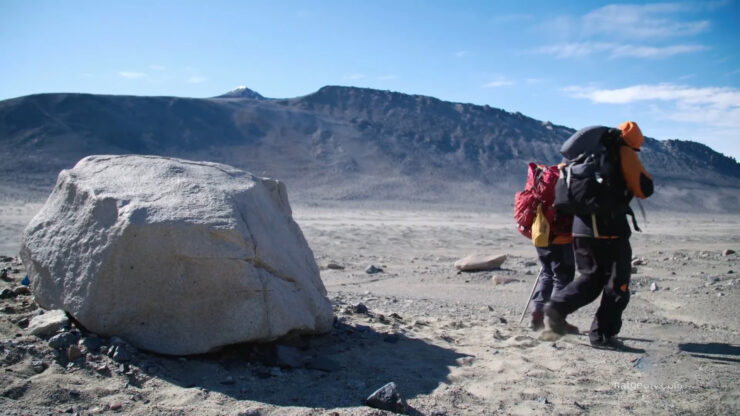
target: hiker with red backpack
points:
(602, 176)
(554, 249)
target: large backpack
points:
(539, 190)
(587, 181)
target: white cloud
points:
(196, 80)
(501, 82)
(462, 54)
(615, 50)
(713, 106)
(132, 75)
(355, 76)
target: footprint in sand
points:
(522, 341)
(548, 335)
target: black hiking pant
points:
(558, 268)
(604, 267)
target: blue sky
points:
(672, 67)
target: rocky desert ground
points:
(450, 341)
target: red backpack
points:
(540, 189)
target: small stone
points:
(653, 287)
(120, 354)
(633, 270)
(38, 366)
(638, 262)
(371, 269)
(7, 294)
(720, 294)
(64, 340)
(501, 280)
(22, 291)
(360, 308)
(115, 406)
(74, 352)
(387, 398)
(334, 266)
(728, 252)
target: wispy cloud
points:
(648, 21)
(132, 75)
(716, 106)
(500, 82)
(196, 80)
(628, 30)
(462, 54)
(616, 50)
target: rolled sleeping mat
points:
(639, 182)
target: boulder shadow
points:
(712, 350)
(338, 369)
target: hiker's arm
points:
(638, 180)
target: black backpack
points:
(589, 180)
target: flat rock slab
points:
(480, 262)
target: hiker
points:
(557, 268)
(550, 232)
(602, 250)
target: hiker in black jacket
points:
(603, 254)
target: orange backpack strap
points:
(639, 182)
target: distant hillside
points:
(337, 144)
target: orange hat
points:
(631, 134)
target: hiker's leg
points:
(608, 319)
(590, 282)
(544, 286)
(563, 266)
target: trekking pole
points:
(529, 299)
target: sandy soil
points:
(450, 341)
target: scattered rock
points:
(360, 308)
(728, 252)
(638, 262)
(501, 280)
(334, 266)
(38, 366)
(49, 323)
(7, 294)
(74, 352)
(388, 398)
(371, 269)
(64, 340)
(633, 270)
(654, 287)
(22, 291)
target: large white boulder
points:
(176, 257)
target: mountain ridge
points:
(338, 143)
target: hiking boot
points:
(555, 320)
(538, 321)
(572, 329)
(613, 344)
